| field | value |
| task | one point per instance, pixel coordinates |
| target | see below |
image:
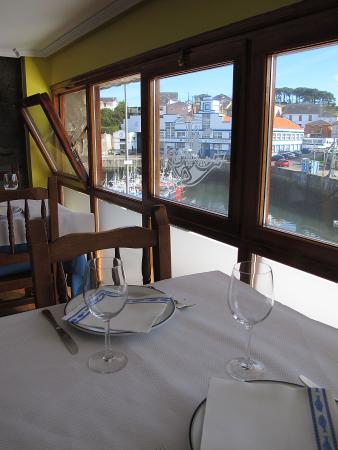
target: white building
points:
(287, 136)
(206, 133)
(108, 102)
(302, 113)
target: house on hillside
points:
(302, 113)
(318, 129)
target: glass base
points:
(99, 363)
(242, 371)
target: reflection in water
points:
(312, 227)
(213, 196)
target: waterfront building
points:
(287, 136)
(206, 133)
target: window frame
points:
(313, 256)
(54, 121)
(254, 38)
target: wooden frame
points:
(248, 44)
(45, 103)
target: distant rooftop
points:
(285, 124)
(108, 99)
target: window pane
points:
(302, 184)
(75, 122)
(119, 160)
(50, 141)
(193, 113)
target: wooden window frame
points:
(46, 105)
(247, 43)
(317, 257)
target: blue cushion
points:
(13, 269)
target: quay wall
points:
(305, 192)
(294, 190)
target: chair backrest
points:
(50, 194)
(44, 254)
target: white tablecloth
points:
(69, 221)
(50, 399)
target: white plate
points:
(196, 423)
(15, 210)
(135, 291)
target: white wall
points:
(312, 296)
(191, 253)
(113, 216)
(76, 201)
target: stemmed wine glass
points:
(10, 181)
(250, 299)
(105, 293)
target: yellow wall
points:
(149, 25)
(37, 81)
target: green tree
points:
(111, 120)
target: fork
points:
(180, 305)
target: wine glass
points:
(250, 299)
(105, 293)
(10, 181)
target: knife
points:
(311, 384)
(65, 337)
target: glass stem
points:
(248, 362)
(107, 348)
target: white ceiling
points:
(41, 27)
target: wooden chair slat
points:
(43, 210)
(24, 279)
(11, 236)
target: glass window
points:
(303, 197)
(118, 143)
(75, 122)
(194, 172)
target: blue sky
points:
(315, 68)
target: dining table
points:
(50, 400)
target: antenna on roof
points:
(16, 52)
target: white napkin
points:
(264, 416)
(138, 315)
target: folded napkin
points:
(138, 315)
(268, 416)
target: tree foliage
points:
(111, 120)
(286, 95)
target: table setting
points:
(173, 388)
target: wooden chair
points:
(44, 254)
(15, 258)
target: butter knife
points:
(311, 384)
(64, 336)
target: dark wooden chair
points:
(15, 258)
(44, 254)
